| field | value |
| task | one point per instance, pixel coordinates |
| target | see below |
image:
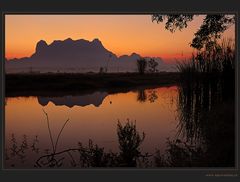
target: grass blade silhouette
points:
(49, 131)
(59, 134)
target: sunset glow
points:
(119, 91)
(121, 34)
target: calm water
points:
(91, 116)
(193, 125)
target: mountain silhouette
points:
(74, 56)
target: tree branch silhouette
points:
(209, 32)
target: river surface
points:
(91, 116)
(192, 125)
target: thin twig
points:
(60, 134)
(49, 130)
(55, 154)
(73, 161)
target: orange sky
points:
(121, 34)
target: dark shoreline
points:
(59, 84)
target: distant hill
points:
(75, 56)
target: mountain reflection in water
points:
(95, 99)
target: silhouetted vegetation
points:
(101, 70)
(206, 103)
(152, 97)
(206, 96)
(152, 64)
(141, 65)
(88, 156)
(181, 154)
(129, 142)
(18, 151)
(217, 59)
(208, 33)
(206, 118)
(142, 96)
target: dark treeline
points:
(67, 83)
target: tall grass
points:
(206, 108)
(217, 59)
